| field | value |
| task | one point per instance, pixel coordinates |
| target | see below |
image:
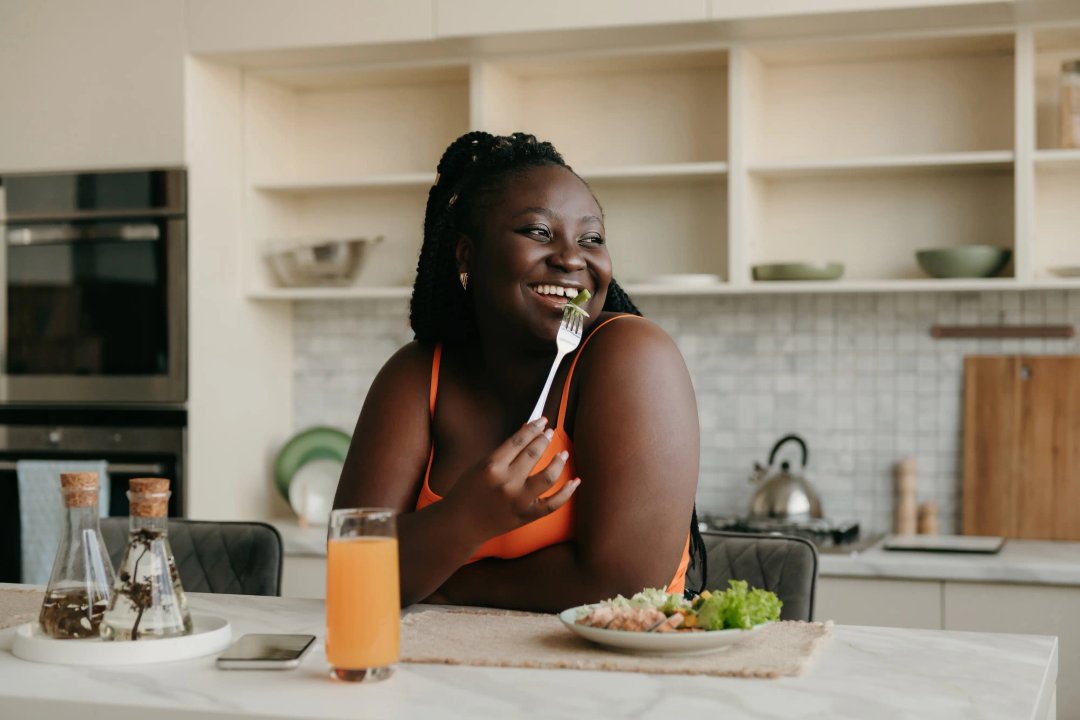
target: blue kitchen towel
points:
(41, 510)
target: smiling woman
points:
(592, 500)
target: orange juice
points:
(363, 602)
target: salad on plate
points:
(739, 607)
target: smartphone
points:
(265, 652)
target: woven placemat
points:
(18, 606)
(527, 640)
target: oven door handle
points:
(56, 234)
(115, 468)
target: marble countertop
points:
(864, 672)
(1019, 561)
(1040, 562)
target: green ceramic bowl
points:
(798, 271)
(964, 261)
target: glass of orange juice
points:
(363, 601)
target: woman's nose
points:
(567, 256)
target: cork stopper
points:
(79, 489)
(149, 497)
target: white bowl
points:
(318, 261)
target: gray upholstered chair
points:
(241, 558)
(783, 564)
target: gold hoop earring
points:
(464, 278)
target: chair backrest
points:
(783, 564)
(242, 558)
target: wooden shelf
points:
(698, 170)
(330, 293)
(688, 171)
(965, 161)
(362, 182)
(721, 288)
(1057, 160)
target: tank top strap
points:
(573, 364)
(436, 359)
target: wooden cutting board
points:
(1022, 447)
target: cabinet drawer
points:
(888, 603)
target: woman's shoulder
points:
(628, 343)
(622, 331)
(409, 365)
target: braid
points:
(618, 301)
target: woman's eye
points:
(539, 231)
(592, 240)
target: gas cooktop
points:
(827, 535)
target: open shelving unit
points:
(707, 158)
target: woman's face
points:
(541, 241)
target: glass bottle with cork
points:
(82, 575)
(147, 600)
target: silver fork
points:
(566, 341)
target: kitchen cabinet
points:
(456, 18)
(232, 26)
(860, 150)
(879, 602)
(91, 85)
(303, 576)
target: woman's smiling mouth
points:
(553, 295)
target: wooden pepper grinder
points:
(906, 482)
(928, 518)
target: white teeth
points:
(556, 290)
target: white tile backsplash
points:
(858, 376)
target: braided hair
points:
(470, 174)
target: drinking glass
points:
(363, 601)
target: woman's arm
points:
(387, 460)
(636, 445)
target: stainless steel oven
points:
(93, 307)
(133, 443)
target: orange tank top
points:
(556, 527)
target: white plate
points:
(211, 634)
(646, 643)
(311, 492)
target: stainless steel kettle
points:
(782, 494)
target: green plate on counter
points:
(317, 443)
(798, 271)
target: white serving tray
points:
(211, 634)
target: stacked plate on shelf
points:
(306, 472)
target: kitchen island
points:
(864, 672)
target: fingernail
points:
(563, 455)
(540, 422)
(548, 433)
(575, 482)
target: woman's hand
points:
(499, 495)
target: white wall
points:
(91, 84)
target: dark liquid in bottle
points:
(71, 614)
